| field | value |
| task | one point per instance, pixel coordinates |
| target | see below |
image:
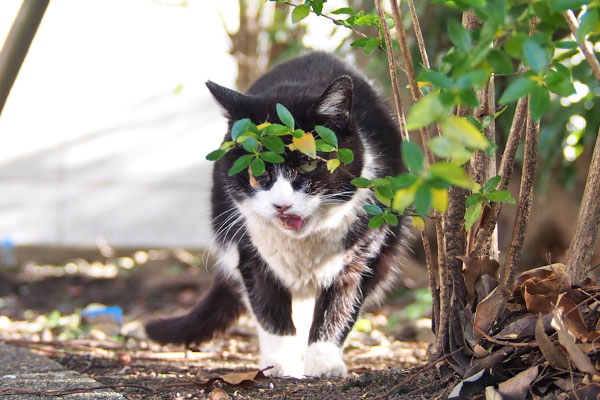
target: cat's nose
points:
(281, 208)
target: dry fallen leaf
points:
(572, 317)
(552, 354)
(488, 310)
(516, 388)
(474, 268)
(581, 361)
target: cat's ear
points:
(234, 103)
(335, 104)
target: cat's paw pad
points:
(282, 366)
(324, 359)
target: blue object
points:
(7, 253)
(113, 312)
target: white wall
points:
(94, 141)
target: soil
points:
(380, 365)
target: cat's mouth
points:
(290, 221)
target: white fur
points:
(324, 359)
(228, 259)
(284, 353)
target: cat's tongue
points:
(291, 222)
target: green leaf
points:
(300, 12)
(239, 128)
(361, 182)
(257, 166)
(344, 10)
(327, 135)
(240, 164)
(567, 45)
(275, 130)
(518, 88)
(370, 19)
(384, 194)
(492, 184)
(472, 215)
(274, 143)
(446, 148)
(559, 81)
(372, 44)
(453, 174)
(588, 23)
(564, 5)
(514, 44)
(376, 221)
(332, 164)
(500, 61)
(317, 6)
(462, 131)
(474, 199)
(425, 111)
(323, 146)
(373, 209)
(435, 78)
(391, 219)
(460, 36)
(250, 145)
(216, 155)
(285, 116)
(423, 200)
(226, 145)
(271, 157)
(501, 196)
(362, 42)
(539, 100)
(534, 56)
(412, 157)
(298, 133)
(345, 155)
(403, 181)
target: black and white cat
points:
(295, 249)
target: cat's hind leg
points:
(220, 307)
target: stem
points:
(17, 44)
(433, 287)
(488, 224)
(525, 200)
(581, 248)
(585, 46)
(392, 69)
(418, 33)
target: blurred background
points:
(105, 131)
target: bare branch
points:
(418, 33)
(585, 46)
(524, 205)
(392, 69)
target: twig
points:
(392, 69)
(433, 287)
(524, 205)
(418, 33)
(585, 46)
(506, 167)
(57, 392)
(500, 342)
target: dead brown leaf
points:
(234, 378)
(552, 354)
(523, 326)
(572, 317)
(587, 392)
(579, 358)
(488, 310)
(517, 387)
(474, 268)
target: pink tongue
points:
(292, 222)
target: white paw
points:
(324, 359)
(283, 365)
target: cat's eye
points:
(309, 166)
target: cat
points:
(294, 247)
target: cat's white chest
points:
(311, 262)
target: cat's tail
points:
(213, 314)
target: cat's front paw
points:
(283, 365)
(324, 359)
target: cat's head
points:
(299, 196)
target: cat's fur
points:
(297, 251)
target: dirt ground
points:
(40, 308)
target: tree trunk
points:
(17, 44)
